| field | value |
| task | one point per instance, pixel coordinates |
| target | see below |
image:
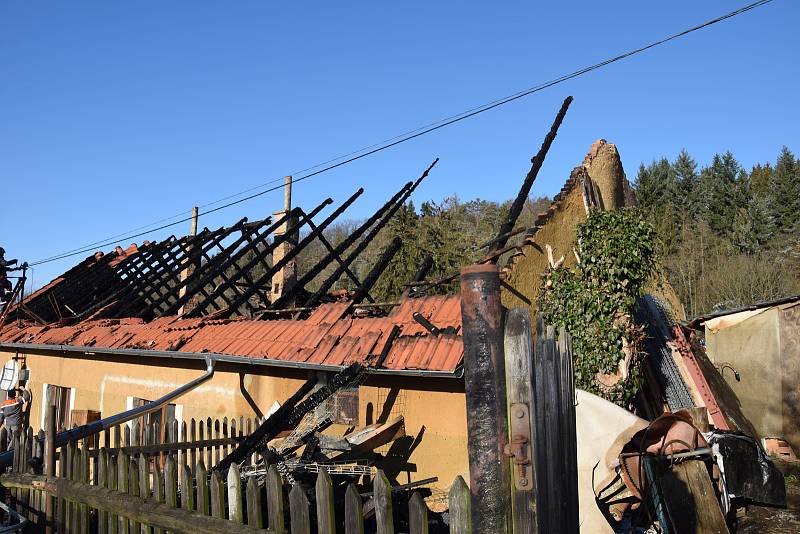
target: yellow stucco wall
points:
(434, 408)
(524, 275)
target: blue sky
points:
(113, 115)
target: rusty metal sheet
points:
(330, 339)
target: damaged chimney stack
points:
(285, 278)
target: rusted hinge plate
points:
(519, 447)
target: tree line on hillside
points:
(450, 231)
(727, 237)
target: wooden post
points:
(487, 416)
(459, 500)
(382, 491)
(353, 511)
(49, 464)
(519, 390)
(74, 524)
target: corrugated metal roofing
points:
(327, 337)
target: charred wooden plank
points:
(340, 249)
(375, 227)
(362, 291)
(295, 250)
(536, 164)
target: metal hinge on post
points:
(519, 447)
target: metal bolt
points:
(523, 482)
(519, 413)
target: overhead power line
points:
(350, 157)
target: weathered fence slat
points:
(217, 490)
(417, 514)
(275, 500)
(144, 484)
(298, 510)
(191, 459)
(235, 512)
(123, 485)
(67, 454)
(554, 432)
(353, 511)
(134, 489)
(216, 436)
(382, 491)
(187, 489)
(254, 512)
(326, 522)
(518, 348)
(102, 481)
(459, 502)
(158, 490)
(113, 519)
(203, 497)
(170, 482)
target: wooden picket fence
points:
(138, 485)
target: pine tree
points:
(655, 185)
(685, 169)
(722, 192)
(785, 189)
(753, 227)
(760, 179)
(405, 225)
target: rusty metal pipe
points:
(484, 382)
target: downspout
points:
(95, 427)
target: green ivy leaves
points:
(594, 301)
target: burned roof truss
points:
(223, 273)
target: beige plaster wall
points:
(523, 281)
(790, 358)
(434, 408)
(752, 347)
(604, 167)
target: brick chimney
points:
(286, 277)
(190, 263)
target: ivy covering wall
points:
(594, 301)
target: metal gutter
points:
(226, 358)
